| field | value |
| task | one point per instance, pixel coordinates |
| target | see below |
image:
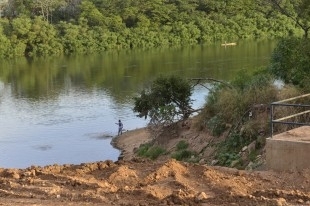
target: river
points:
(64, 110)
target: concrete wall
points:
(289, 150)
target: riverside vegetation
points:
(236, 113)
(224, 128)
(230, 130)
(56, 27)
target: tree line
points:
(55, 27)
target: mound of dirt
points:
(145, 182)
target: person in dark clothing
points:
(120, 127)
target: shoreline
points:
(129, 141)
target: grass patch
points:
(150, 151)
(182, 145)
(182, 153)
(226, 159)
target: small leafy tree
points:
(167, 100)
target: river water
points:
(64, 110)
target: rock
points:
(93, 167)
(234, 163)
(251, 147)
(15, 176)
(202, 161)
(214, 162)
(11, 173)
(244, 148)
(250, 166)
(28, 174)
(201, 196)
(244, 156)
(300, 201)
(280, 202)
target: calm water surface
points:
(64, 110)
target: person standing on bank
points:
(120, 127)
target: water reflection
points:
(100, 136)
(63, 110)
(43, 147)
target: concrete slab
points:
(289, 150)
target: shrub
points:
(182, 155)
(216, 125)
(227, 158)
(182, 145)
(150, 151)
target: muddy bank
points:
(129, 141)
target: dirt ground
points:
(135, 181)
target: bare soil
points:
(136, 181)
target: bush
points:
(182, 145)
(216, 125)
(182, 155)
(150, 151)
(226, 159)
(230, 105)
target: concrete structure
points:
(289, 151)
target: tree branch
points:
(210, 79)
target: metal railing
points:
(286, 104)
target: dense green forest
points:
(55, 27)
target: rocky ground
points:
(135, 181)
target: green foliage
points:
(167, 100)
(290, 61)
(42, 39)
(150, 151)
(33, 37)
(226, 159)
(233, 143)
(21, 27)
(5, 44)
(253, 155)
(230, 105)
(46, 8)
(298, 11)
(182, 145)
(183, 154)
(228, 150)
(90, 26)
(90, 12)
(216, 125)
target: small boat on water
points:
(229, 44)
